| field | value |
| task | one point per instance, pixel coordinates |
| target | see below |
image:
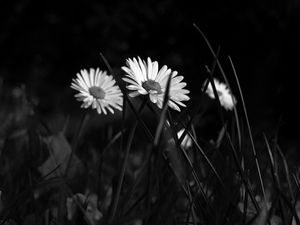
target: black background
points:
(43, 44)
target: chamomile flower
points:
(227, 100)
(97, 89)
(145, 78)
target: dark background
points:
(43, 44)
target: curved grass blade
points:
(287, 172)
(206, 158)
(244, 107)
(249, 131)
(242, 174)
(275, 178)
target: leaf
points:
(59, 155)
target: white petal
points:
(161, 74)
(130, 81)
(153, 98)
(149, 71)
(173, 106)
(134, 94)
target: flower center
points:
(97, 92)
(152, 85)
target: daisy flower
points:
(97, 89)
(145, 78)
(227, 99)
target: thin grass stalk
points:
(195, 221)
(242, 174)
(295, 176)
(235, 111)
(163, 114)
(191, 207)
(138, 179)
(206, 159)
(287, 171)
(189, 163)
(122, 173)
(244, 107)
(149, 193)
(275, 178)
(249, 130)
(139, 199)
(294, 205)
(193, 201)
(120, 181)
(99, 163)
(112, 141)
(76, 138)
(290, 206)
(245, 205)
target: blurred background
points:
(43, 44)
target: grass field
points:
(144, 150)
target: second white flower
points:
(145, 78)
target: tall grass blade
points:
(163, 113)
(290, 206)
(244, 107)
(76, 139)
(206, 159)
(249, 131)
(122, 173)
(275, 178)
(287, 171)
(242, 174)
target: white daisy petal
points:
(130, 81)
(133, 87)
(142, 91)
(154, 70)
(78, 87)
(163, 80)
(85, 77)
(153, 98)
(149, 71)
(81, 81)
(143, 68)
(173, 106)
(134, 94)
(161, 74)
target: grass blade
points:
(244, 107)
(122, 173)
(249, 131)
